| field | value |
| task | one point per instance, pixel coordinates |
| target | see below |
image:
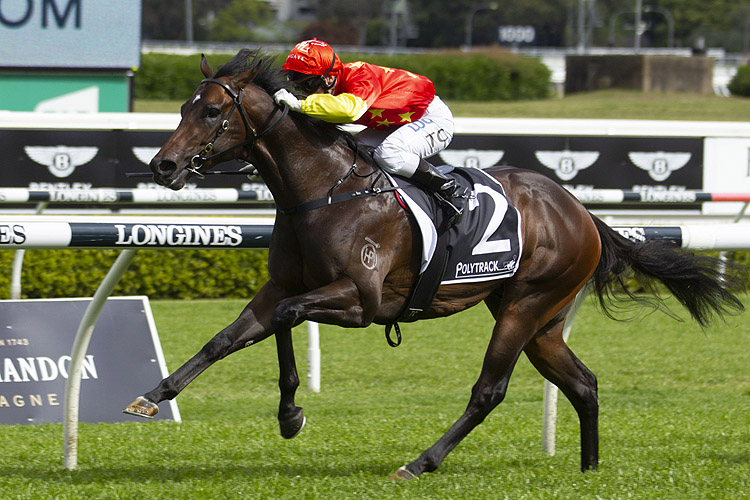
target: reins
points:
(197, 161)
(332, 199)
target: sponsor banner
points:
(124, 359)
(640, 234)
(601, 196)
(156, 196)
(82, 159)
(580, 162)
(70, 159)
(114, 235)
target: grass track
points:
(615, 104)
(674, 419)
(675, 401)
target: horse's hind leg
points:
(556, 362)
(508, 339)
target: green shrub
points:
(475, 76)
(160, 274)
(740, 83)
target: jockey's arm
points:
(341, 108)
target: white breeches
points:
(399, 150)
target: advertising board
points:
(70, 34)
(648, 156)
(73, 56)
(66, 159)
(124, 358)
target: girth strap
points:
(333, 199)
(425, 290)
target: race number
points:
(485, 246)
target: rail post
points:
(80, 345)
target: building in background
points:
(294, 10)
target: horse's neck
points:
(296, 170)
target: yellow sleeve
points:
(342, 108)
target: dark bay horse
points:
(317, 273)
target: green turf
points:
(613, 104)
(674, 419)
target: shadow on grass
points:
(157, 473)
(307, 471)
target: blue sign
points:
(36, 338)
(70, 33)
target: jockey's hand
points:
(283, 96)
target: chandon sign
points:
(40, 368)
(36, 338)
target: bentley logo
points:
(61, 161)
(567, 163)
(659, 164)
(472, 158)
(145, 154)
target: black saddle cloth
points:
(484, 245)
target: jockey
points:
(406, 122)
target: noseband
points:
(197, 161)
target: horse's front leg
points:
(291, 418)
(340, 303)
(336, 303)
(252, 326)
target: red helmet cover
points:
(313, 57)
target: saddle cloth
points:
(485, 244)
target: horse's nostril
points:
(163, 167)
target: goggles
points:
(308, 84)
(311, 83)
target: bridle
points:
(197, 161)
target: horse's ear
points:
(205, 68)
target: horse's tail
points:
(705, 285)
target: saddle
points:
(484, 244)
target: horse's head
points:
(215, 127)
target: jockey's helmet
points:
(310, 62)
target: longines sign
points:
(107, 234)
(36, 337)
(70, 33)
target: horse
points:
(317, 273)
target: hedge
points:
(740, 82)
(160, 274)
(475, 76)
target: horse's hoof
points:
(292, 426)
(142, 407)
(403, 474)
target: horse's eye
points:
(212, 112)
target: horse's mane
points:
(271, 78)
(268, 76)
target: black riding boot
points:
(444, 187)
(428, 176)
